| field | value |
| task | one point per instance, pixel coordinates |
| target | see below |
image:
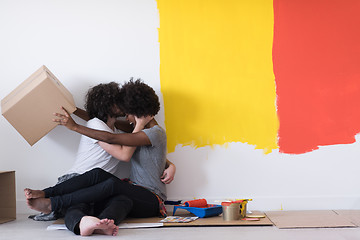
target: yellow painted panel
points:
(216, 72)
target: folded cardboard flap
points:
(8, 196)
(29, 108)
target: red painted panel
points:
(316, 58)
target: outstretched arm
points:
(169, 172)
(128, 139)
(119, 124)
(81, 113)
(121, 152)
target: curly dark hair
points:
(102, 99)
(139, 99)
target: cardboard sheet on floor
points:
(200, 222)
(308, 219)
(352, 215)
(207, 222)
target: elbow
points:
(124, 159)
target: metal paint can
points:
(231, 211)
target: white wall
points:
(86, 42)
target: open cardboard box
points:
(8, 196)
(29, 108)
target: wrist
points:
(75, 127)
(138, 127)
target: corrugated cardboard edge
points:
(11, 99)
(8, 101)
(67, 95)
(8, 196)
(63, 90)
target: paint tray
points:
(202, 212)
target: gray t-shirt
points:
(148, 162)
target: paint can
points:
(243, 208)
(231, 211)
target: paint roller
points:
(199, 203)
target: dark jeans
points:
(115, 208)
(99, 187)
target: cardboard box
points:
(30, 107)
(8, 196)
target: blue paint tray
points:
(202, 212)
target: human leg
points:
(74, 215)
(116, 208)
(95, 193)
(78, 219)
(145, 203)
(29, 194)
(84, 180)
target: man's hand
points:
(65, 119)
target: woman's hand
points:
(168, 174)
(65, 119)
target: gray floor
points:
(24, 228)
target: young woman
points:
(143, 196)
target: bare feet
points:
(89, 225)
(40, 204)
(30, 193)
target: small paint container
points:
(231, 211)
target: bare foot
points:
(30, 193)
(89, 225)
(111, 230)
(40, 204)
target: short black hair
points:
(102, 99)
(139, 99)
